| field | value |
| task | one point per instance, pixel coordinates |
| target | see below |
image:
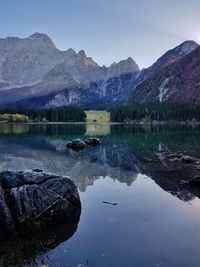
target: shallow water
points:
(156, 221)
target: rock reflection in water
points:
(170, 175)
(23, 249)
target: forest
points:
(60, 114)
(156, 112)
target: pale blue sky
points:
(108, 30)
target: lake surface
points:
(156, 221)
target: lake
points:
(156, 219)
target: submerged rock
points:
(78, 144)
(32, 199)
(92, 141)
(173, 156)
(187, 159)
(178, 156)
(194, 180)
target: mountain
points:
(31, 68)
(34, 73)
(169, 57)
(24, 61)
(123, 67)
(178, 82)
(97, 94)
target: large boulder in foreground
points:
(34, 199)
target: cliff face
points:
(24, 61)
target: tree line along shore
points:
(61, 114)
(156, 112)
(121, 114)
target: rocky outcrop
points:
(79, 144)
(34, 199)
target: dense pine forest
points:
(61, 114)
(156, 112)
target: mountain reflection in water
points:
(126, 152)
(121, 156)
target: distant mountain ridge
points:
(33, 67)
(169, 57)
(34, 73)
(178, 82)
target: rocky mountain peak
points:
(177, 52)
(24, 61)
(87, 61)
(129, 59)
(113, 64)
(43, 37)
(168, 58)
(124, 66)
(186, 47)
(82, 53)
(71, 50)
(38, 35)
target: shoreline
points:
(142, 123)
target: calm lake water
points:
(156, 221)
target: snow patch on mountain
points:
(163, 90)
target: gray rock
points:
(6, 221)
(195, 180)
(174, 155)
(92, 141)
(78, 144)
(187, 159)
(11, 179)
(35, 197)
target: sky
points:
(108, 30)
